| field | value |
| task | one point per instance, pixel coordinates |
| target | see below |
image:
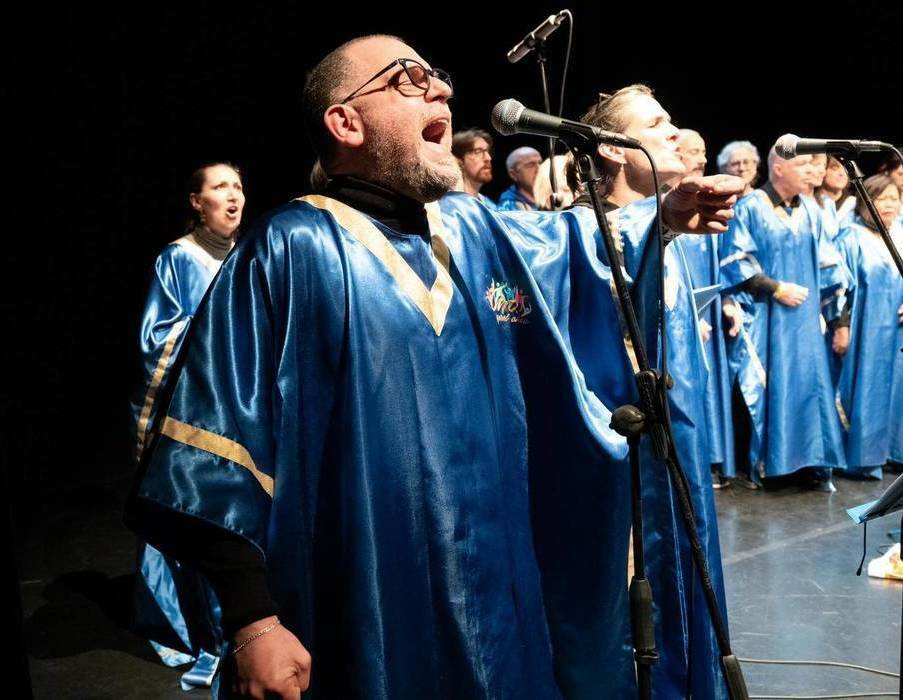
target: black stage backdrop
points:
(118, 109)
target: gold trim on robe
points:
(433, 303)
(217, 445)
(154, 386)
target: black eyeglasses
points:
(418, 75)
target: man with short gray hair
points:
(523, 166)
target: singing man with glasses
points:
(393, 474)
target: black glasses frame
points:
(403, 62)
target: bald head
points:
(691, 149)
(789, 177)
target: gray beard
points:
(391, 167)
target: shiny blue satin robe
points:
(511, 199)
(703, 262)
(780, 358)
(831, 223)
(399, 427)
(182, 274)
(574, 277)
(870, 390)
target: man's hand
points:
(734, 314)
(701, 204)
(841, 340)
(705, 330)
(275, 665)
(790, 294)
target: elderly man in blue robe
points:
(397, 480)
(778, 260)
(523, 167)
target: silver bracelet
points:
(268, 628)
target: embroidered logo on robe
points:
(509, 303)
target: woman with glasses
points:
(170, 600)
(870, 391)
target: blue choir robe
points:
(704, 265)
(488, 203)
(399, 427)
(833, 306)
(182, 274)
(870, 390)
(512, 199)
(574, 277)
(780, 358)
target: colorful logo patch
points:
(510, 304)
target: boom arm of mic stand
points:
(856, 176)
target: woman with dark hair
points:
(835, 187)
(870, 392)
(172, 603)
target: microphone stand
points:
(539, 48)
(650, 418)
(855, 175)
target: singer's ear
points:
(613, 153)
(345, 124)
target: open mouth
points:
(232, 211)
(435, 130)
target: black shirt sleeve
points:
(235, 568)
(760, 284)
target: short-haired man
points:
(473, 149)
(691, 149)
(373, 421)
(777, 255)
(523, 166)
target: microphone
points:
(511, 117)
(526, 45)
(790, 145)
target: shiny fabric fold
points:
(703, 262)
(870, 388)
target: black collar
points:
(775, 198)
(394, 210)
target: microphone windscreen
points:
(785, 146)
(505, 116)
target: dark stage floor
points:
(789, 556)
